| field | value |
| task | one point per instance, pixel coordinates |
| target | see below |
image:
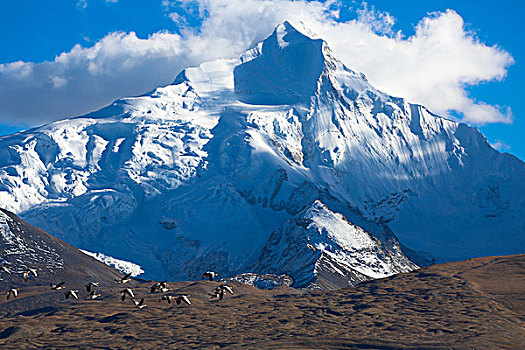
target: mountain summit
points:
(283, 69)
(280, 161)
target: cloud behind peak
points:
(433, 67)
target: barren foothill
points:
(479, 303)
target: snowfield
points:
(281, 161)
(123, 266)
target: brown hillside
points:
(475, 304)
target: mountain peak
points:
(282, 69)
(287, 34)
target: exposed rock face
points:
(322, 249)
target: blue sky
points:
(39, 88)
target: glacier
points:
(283, 160)
(123, 266)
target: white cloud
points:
(376, 21)
(500, 146)
(81, 5)
(432, 67)
(83, 79)
(58, 82)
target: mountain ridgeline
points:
(281, 161)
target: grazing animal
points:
(29, 271)
(210, 275)
(58, 286)
(92, 295)
(140, 304)
(6, 269)
(184, 298)
(127, 291)
(124, 279)
(13, 292)
(90, 285)
(71, 293)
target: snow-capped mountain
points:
(242, 161)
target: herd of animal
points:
(158, 287)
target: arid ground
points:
(476, 304)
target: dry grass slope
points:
(476, 304)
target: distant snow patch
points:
(121, 265)
(266, 281)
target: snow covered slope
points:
(342, 253)
(123, 266)
(204, 173)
